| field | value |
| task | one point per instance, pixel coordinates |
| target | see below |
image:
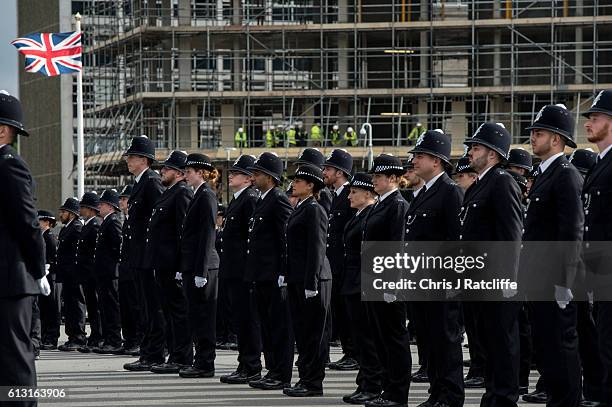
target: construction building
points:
(189, 73)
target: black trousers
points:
(498, 328)
(311, 326)
(110, 315)
(93, 311)
(276, 329)
(471, 317)
(16, 352)
(203, 318)
(393, 346)
(441, 324)
(248, 326)
(369, 377)
(153, 340)
(593, 372)
(341, 329)
(226, 329)
(526, 345)
(556, 343)
(74, 311)
(604, 330)
(50, 313)
(175, 308)
(35, 328)
(131, 312)
(416, 313)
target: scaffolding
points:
(189, 73)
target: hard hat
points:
(240, 129)
(349, 129)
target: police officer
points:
(108, 246)
(336, 172)
(67, 273)
(50, 306)
(369, 379)
(200, 264)
(385, 222)
(86, 249)
(414, 182)
(164, 256)
(432, 216)
(553, 214)
(315, 157)
(264, 267)
(596, 203)
(491, 211)
(21, 248)
(519, 161)
(129, 292)
(147, 189)
(309, 282)
(464, 174)
(233, 254)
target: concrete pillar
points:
(424, 48)
(184, 63)
(185, 122)
(227, 124)
(579, 38)
(237, 66)
(236, 12)
(457, 125)
(497, 59)
(166, 13)
(343, 11)
(343, 68)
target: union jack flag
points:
(51, 53)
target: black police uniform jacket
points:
(306, 235)
(597, 201)
(22, 250)
(432, 215)
(67, 240)
(50, 252)
(140, 207)
(339, 214)
(166, 227)
(554, 213)
(86, 250)
(385, 221)
(233, 237)
(266, 242)
(353, 232)
(198, 253)
(125, 272)
(108, 246)
(491, 212)
(326, 198)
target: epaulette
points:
(7, 156)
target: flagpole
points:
(80, 137)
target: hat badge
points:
(478, 130)
(539, 115)
(420, 139)
(465, 150)
(237, 161)
(597, 98)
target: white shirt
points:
(195, 191)
(340, 188)
(237, 194)
(2, 145)
(545, 164)
(601, 155)
(265, 193)
(109, 214)
(382, 197)
(432, 181)
(89, 220)
(299, 203)
(417, 191)
(484, 173)
(140, 175)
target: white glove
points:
(590, 297)
(389, 298)
(43, 286)
(310, 294)
(281, 281)
(47, 268)
(178, 277)
(563, 296)
(509, 292)
(200, 281)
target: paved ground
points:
(99, 380)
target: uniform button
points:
(586, 212)
(248, 251)
(463, 207)
(525, 216)
(221, 250)
(328, 235)
(598, 192)
(407, 230)
(474, 205)
(537, 199)
(586, 228)
(248, 240)
(460, 237)
(523, 230)
(146, 240)
(221, 239)
(586, 196)
(327, 245)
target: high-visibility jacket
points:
(291, 137)
(240, 139)
(416, 132)
(350, 138)
(315, 133)
(335, 137)
(270, 140)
